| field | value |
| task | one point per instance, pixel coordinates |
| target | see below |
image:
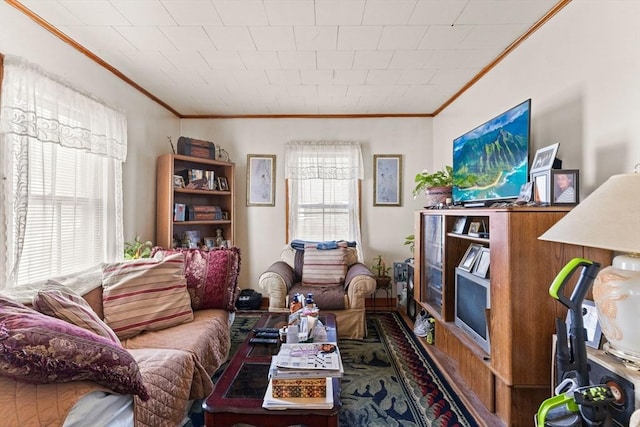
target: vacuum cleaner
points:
(576, 403)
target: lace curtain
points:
(323, 181)
(61, 196)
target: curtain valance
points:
(323, 160)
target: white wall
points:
(260, 231)
(581, 71)
(148, 123)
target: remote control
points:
(263, 340)
(267, 334)
(272, 330)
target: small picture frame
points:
(210, 242)
(470, 256)
(475, 228)
(543, 160)
(387, 180)
(564, 186)
(178, 181)
(482, 265)
(591, 324)
(541, 187)
(223, 184)
(460, 225)
(525, 193)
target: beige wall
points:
(580, 69)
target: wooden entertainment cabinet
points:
(515, 376)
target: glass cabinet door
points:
(433, 248)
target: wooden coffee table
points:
(238, 393)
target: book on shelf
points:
(279, 403)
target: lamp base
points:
(631, 361)
(616, 293)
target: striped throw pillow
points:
(68, 306)
(324, 266)
(145, 295)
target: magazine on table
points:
(271, 402)
(312, 356)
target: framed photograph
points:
(591, 324)
(387, 180)
(482, 265)
(541, 187)
(210, 242)
(261, 180)
(564, 186)
(544, 158)
(525, 193)
(474, 227)
(223, 184)
(460, 225)
(469, 258)
(178, 181)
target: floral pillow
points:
(40, 349)
(212, 276)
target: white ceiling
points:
(296, 57)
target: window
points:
(323, 182)
(62, 177)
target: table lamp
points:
(609, 218)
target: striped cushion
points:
(324, 267)
(71, 307)
(145, 295)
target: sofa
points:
(331, 272)
(123, 343)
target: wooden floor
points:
(448, 369)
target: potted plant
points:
(410, 241)
(137, 249)
(436, 185)
(381, 270)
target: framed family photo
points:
(565, 186)
(387, 180)
(544, 158)
(469, 258)
(261, 180)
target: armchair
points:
(339, 284)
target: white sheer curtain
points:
(323, 179)
(61, 163)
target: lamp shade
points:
(609, 218)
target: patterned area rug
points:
(389, 379)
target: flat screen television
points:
(473, 297)
(491, 162)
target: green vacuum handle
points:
(556, 288)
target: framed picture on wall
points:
(261, 180)
(387, 180)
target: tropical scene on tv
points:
(490, 162)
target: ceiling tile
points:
(339, 12)
(146, 38)
(55, 13)
(143, 12)
(316, 38)
(444, 36)
(401, 38)
(332, 91)
(231, 38)
(504, 12)
(488, 36)
(283, 77)
(186, 60)
(416, 77)
(350, 77)
(409, 59)
(223, 60)
(437, 12)
(98, 38)
(316, 77)
(358, 38)
(290, 12)
(95, 12)
(383, 77)
(388, 12)
(335, 60)
(372, 59)
(290, 59)
(245, 12)
(273, 38)
(188, 38)
(260, 60)
(192, 12)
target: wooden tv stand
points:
(515, 376)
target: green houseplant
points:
(436, 185)
(381, 271)
(137, 249)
